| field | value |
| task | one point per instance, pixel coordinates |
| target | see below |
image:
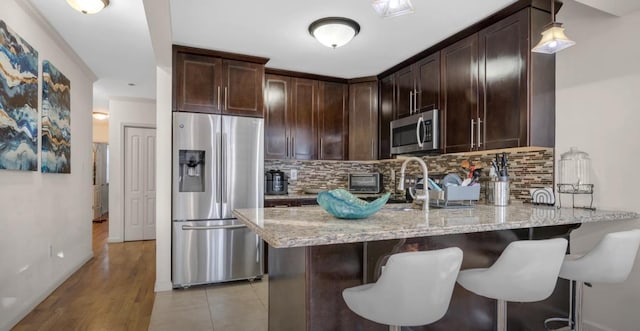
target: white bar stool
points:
(610, 261)
(526, 271)
(414, 289)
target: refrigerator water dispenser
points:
(191, 171)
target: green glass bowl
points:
(342, 204)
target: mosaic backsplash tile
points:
(530, 168)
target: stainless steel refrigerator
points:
(217, 166)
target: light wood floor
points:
(113, 291)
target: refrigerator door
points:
(196, 170)
(243, 163)
(214, 251)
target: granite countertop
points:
(310, 226)
(311, 196)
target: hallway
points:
(113, 291)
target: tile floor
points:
(237, 306)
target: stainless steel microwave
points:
(416, 133)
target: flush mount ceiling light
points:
(391, 8)
(100, 116)
(553, 37)
(88, 6)
(334, 31)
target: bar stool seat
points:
(610, 261)
(414, 289)
(526, 271)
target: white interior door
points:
(140, 184)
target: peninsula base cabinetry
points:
(306, 283)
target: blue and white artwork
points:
(56, 120)
(18, 102)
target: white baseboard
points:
(114, 240)
(163, 285)
(33, 304)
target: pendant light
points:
(334, 31)
(391, 8)
(88, 6)
(553, 37)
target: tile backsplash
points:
(528, 168)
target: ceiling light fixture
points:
(553, 37)
(100, 116)
(391, 8)
(88, 6)
(334, 31)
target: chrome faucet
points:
(425, 175)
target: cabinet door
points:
(503, 49)
(277, 109)
(459, 64)
(242, 88)
(386, 116)
(404, 92)
(333, 121)
(303, 119)
(197, 83)
(428, 83)
(363, 121)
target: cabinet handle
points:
(479, 140)
(218, 97)
(415, 101)
(293, 152)
(286, 148)
(321, 149)
(472, 122)
(226, 97)
(411, 102)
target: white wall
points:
(597, 110)
(163, 181)
(42, 210)
(123, 112)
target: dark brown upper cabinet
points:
(277, 109)
(291, 106)
(216, 82)
(363, 121)
(303, 119)
(496, 93)
(333, 121)
(459, 97)
(417, 87)
(385, 116)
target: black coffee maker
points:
(276, 182)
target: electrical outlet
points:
(294, 174)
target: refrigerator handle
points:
(223, 177)
(213, 227)
(219, 157)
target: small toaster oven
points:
(365, 183)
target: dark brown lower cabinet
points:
(306, 283)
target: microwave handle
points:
(419, 139)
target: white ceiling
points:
(116, 45)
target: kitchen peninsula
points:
(314, 256)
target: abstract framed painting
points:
(18, 102)
(56, 121)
